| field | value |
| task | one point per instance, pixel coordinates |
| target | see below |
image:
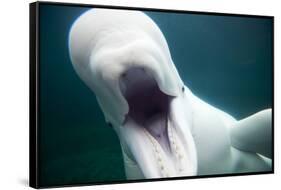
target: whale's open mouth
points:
(148, 105)
(157, 142)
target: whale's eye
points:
(182, 89)
(109, 124)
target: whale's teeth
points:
(157, 153)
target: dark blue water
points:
(226, 61)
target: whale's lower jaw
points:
(157, 145)
(152, 159)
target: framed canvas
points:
(121, 94)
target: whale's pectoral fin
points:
(254, 134)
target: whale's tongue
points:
(157, 127)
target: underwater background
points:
(224, 60)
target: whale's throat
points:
(148, 105)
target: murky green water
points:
(226, 61)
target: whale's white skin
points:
(115, 50)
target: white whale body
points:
(163, 128)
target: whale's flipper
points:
(254, 133)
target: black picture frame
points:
(34, 105)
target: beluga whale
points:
(163, 128)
